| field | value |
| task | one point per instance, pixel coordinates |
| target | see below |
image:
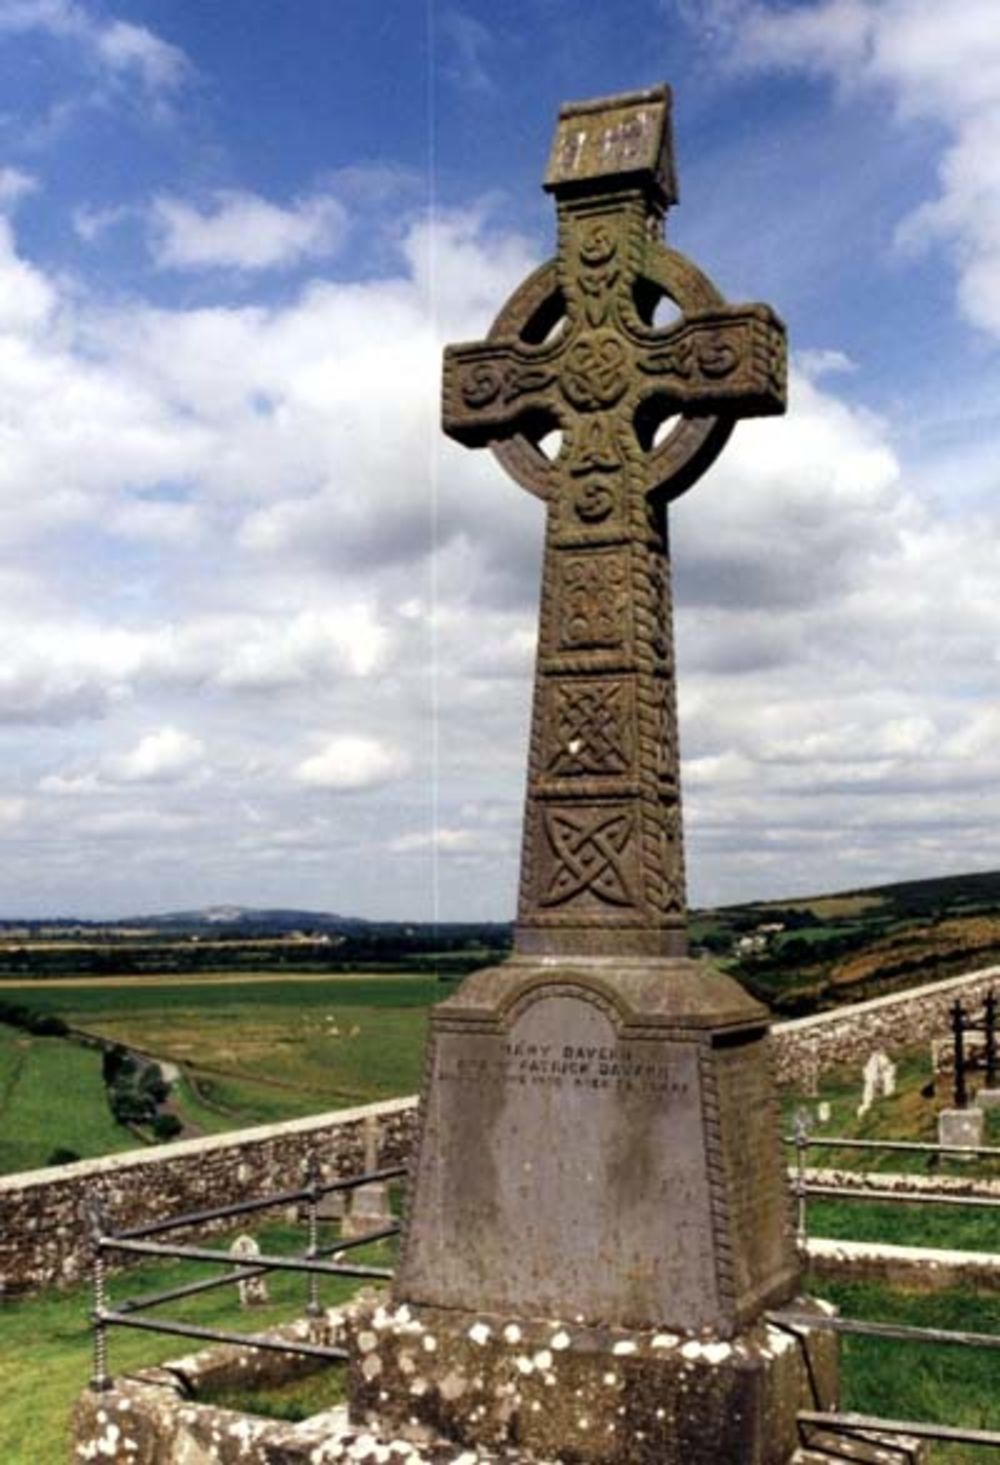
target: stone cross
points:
(642, 410)
(598, 1171)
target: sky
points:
(268, 638)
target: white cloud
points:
(90, 223)
(162, 756)
(244, 532)
(468, 48)
(166, 756)
(242, 231)
(15, 184)
(12, 811)
(130, 48)
(939, 63)
(123, 49)
(348, 763)
(446, 842)
(27, 299)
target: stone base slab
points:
(864, 1447)
(553, 1391)
(159, 1415)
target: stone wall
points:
(914, 1268)
(43, 1226)
(808, 1047)
(43, 1232)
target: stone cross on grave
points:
(642, 410)
(598, 1218)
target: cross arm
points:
(488, 387)
(733, 359)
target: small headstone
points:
(252, 1290)
(879, 1080)
(331, 1207)
(960, 1130)
(988, 1099)
(368, 1208)
(823, 1111)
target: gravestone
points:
(961, 1131)
(879, 1076)
(252, 1291)
(369, 1208)
(598, 1213)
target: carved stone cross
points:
(598, 1134)
(642, 410)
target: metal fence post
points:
(97, 1221)
(990, 1020)
(802, 1125)
(958, 1030)
(313, 1308)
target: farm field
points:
(248, 1052)
(51, 1096)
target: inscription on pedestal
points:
(585, 1153)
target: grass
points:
(252, 1052)
(45, 1344)
(293, 1401)
(51, 1094)
(958, 1227)
(906, 1115)
(938, 1383)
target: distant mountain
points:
(239, 918)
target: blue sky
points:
(269, 638)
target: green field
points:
(51, 1095)
(249, 1051)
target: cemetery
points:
(605, 1252)
(629, 1220)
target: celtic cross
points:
(641, 411)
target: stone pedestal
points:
(605, 1396)
(599, 1142)
(960, 1129)
(598, 1217)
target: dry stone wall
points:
(43, 1229)
(808, 1047)
(43, 1223)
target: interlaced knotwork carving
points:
(588, 850)
(603, 863)
(589, 730)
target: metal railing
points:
(802, 1188)
(859, 1427)
(812, 1423)
(135, 1241)
(866, 1428)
